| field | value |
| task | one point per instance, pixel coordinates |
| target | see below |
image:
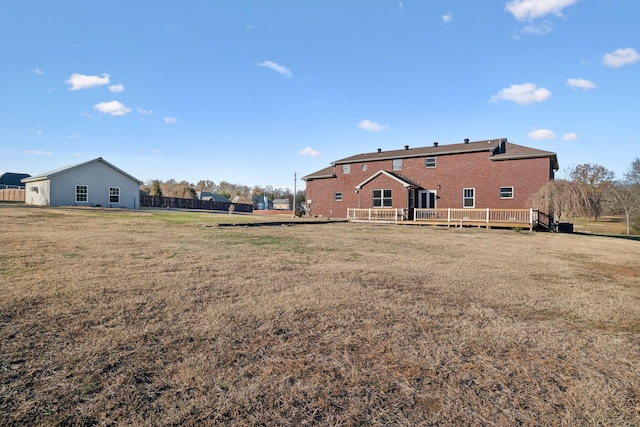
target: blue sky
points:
(251, 92)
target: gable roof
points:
(281, 201)
(207, 195)
(402, 180)
(12, 179)
(498, 149)
(50, 174)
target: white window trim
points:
(434, 162)
(86, 194)
(382, 198)
(395, 162)
(346, 169)
(506, 197)
(116, 195)
(337, 198)
(473, 198)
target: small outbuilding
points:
(93, 183)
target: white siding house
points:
(93, 183)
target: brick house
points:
(482, 174)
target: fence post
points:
(448, 214)
(487, 215)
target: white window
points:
(82, 193)
(397, 164)
(114, 194)
(346, 169)
(337, 196)
(382, 199)
(468, 197)
(430, 162)
(506, 192)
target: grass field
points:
(164, 319)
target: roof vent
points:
(466, 140)
(406, 147)
(379, 150)
(435, 144)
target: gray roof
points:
(207, 195)
(510, 152)
(50, 174)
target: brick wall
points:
(451, 175)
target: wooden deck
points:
(499, 218)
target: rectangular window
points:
(506, 192)
(430, 162)
(114, 194)
(337, 196)
(382, 199)
(82, 194)
(346, 169)
(468, 197)
(397, 164)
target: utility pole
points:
(295, 181)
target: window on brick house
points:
(337, 196)
(506, 192)
(430, 162)
(382, 199)
(468, 197)
(346, 169)
(397, 164)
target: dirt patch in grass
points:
(126, 319)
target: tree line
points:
(187, 190)
(592, 190)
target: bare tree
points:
(596, 179)
(564, 199)
(625, 197)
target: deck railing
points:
(481, 217)
(377, 215)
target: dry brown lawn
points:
(133, 318)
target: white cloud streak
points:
(310, 152)
(581, 84)
(81, 81)
(170, 120)
(448, 18)
(620, 57)
(280, 69)
(541, 134)
(37, 71)
(116, 88)
(571, 136)
(525, 93)
(113, 108)
(39, 153)
(524, 10)
(144, 112)
(370, 126)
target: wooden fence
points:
(175, 202)
(12, 195)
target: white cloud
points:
(170, 120)
(525, 93)
(571, 136)
(310, 152)
(537, 30)
(144, 112)
(37, 71)
(370, 126)
(81, 81)
(40, 153)
(114, 108)
(448, 18)
(276, 67)
(39, 132)
(116, 88)
(531, 9)
(581, 84)
(620, 57)
(541, 134)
